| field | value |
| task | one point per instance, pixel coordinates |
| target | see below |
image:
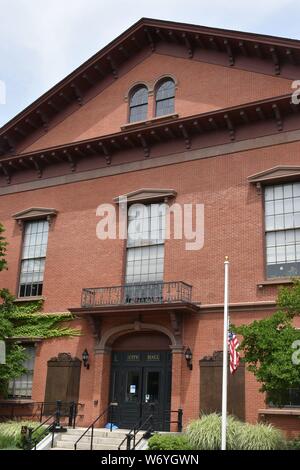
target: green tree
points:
(14, 353)
(24, 321)
(268, 349)
(3, 245)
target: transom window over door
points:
(282, 225)
(33, 258)
(138, 108)
(165, 98)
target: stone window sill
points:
(29, 299)
(17, 401)
(133, 125)
(280, 411)
(274, 282)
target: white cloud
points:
(61, 34)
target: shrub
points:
(10, 433)
(205, 433)
(293, 444)
(260, 437)
(168, 442)
(6, 442)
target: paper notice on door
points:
(132, 389)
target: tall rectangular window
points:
(21, 387)
(33, 258)
(145, 251)
(145, 243)
(282, 225)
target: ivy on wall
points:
(24, 320)
(29, 321)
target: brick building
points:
(167, 112)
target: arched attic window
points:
(165, 97)
(138, 104)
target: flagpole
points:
(225, 354)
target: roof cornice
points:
(273, 111)
(146, 33)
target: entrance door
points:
(153, 395)
(141, 389)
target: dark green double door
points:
(141, 386)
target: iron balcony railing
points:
(138, 293)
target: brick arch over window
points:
(114, 333)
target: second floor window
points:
(33, 258)
(165, 98)
(145, 244)
(282, 224)
(138, 108)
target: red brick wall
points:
(233, 226)
(202, 87)
(290, 425)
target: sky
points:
(42, 41)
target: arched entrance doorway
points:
(141, 376)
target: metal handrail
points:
(37, 407)
(134, 431)
(155, 292)
(55, 424)
(91, 426)
(179, 418)
(31, 431)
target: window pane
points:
(289, 221)
(33, 258)
(270, 222)
(166, 90)
(139, 105)
(288, 190)
(298, 252)
(279, 206)
(279, 222)
(282, 232)
(165, 98)
(21, 387)
(288, 205)
(269, 208)
(271, 255)
(269, 193)
(270, 239)
(278, 192)
(290, 253)
(296, 189)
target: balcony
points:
(151, 296)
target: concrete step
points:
(86, 446)
(96, 440)
(110, 435)
(97, 432)
(103, 439)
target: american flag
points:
(233, 353)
